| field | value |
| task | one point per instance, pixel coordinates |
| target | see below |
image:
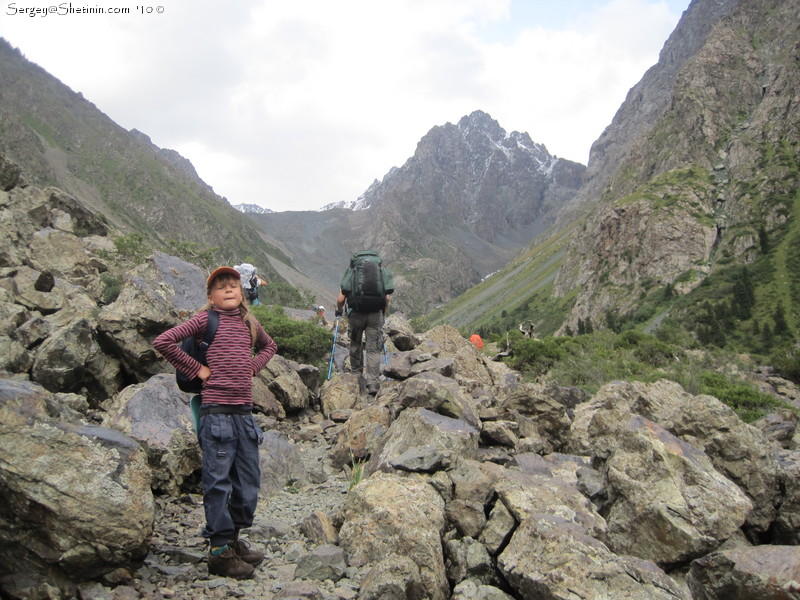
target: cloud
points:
(292, 105)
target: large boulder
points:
(747, 573)
(284, 381)
(157, 414)
(339, 393)
(76, 498)
(143, 310)
(470, 364)
(361, 435)
(400, 332)
(427, 432)
(439, 394)
(739, 451)
(786, 527)
(533, 495)
(543, 407)
(387, 515)
(666, 502)
(280, 463)
(555, 559)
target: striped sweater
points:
(229, 356)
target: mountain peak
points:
(252, 209)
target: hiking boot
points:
(228, 564)
(248, 554)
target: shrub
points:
(535, 357)
(301, 341)
(281, 293)
(646, 348)
(131, 247)
(786, 359)
(749, 403)
(112, 286)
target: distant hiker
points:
(366, 287)
(320, 310)
(476, 341)
(528, 329)
(250, 282)
(229, 436)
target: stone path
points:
(176, 567)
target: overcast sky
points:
(293, 104)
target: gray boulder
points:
(747, 574)
(78, 496)
(157, 414)
(664, 495)
(551, 558)
(387, 515)
(421, 428)
(739, 451)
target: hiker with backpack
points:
(229, 435)
(250, 282)
(366, 288)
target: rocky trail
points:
(176, 566)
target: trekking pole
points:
(385, 357)
(333, 349)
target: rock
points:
(319, 528)
(400, 332)
(547, 412)
(280, 463)
(472, 590)
(393, 578)
(469, 559)
(388, 515)
(556, 559)
(339, 393)
(439, 394)
(418, 427)
(739, 451)
(500, 524)
(79, 496)
(531, 495)
(470, 364)
(786, 527)
(744, 573)
(664, 494)
(324, 562)
(285, 383)
(158, 416)
(361, 435)
(467, 516)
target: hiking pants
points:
(231, 473)
(369, 326)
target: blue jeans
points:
(231, 473)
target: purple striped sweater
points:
(229, 356)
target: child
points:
(229, 436)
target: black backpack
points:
(198, 351)
(364, 284)
(252, 291)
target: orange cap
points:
(222, 271)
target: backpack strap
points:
(211, 328)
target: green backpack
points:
(366, 282)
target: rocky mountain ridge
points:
(672, 215)
(457, 210)
(251, 209)
(693, 178)
(59, 138)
